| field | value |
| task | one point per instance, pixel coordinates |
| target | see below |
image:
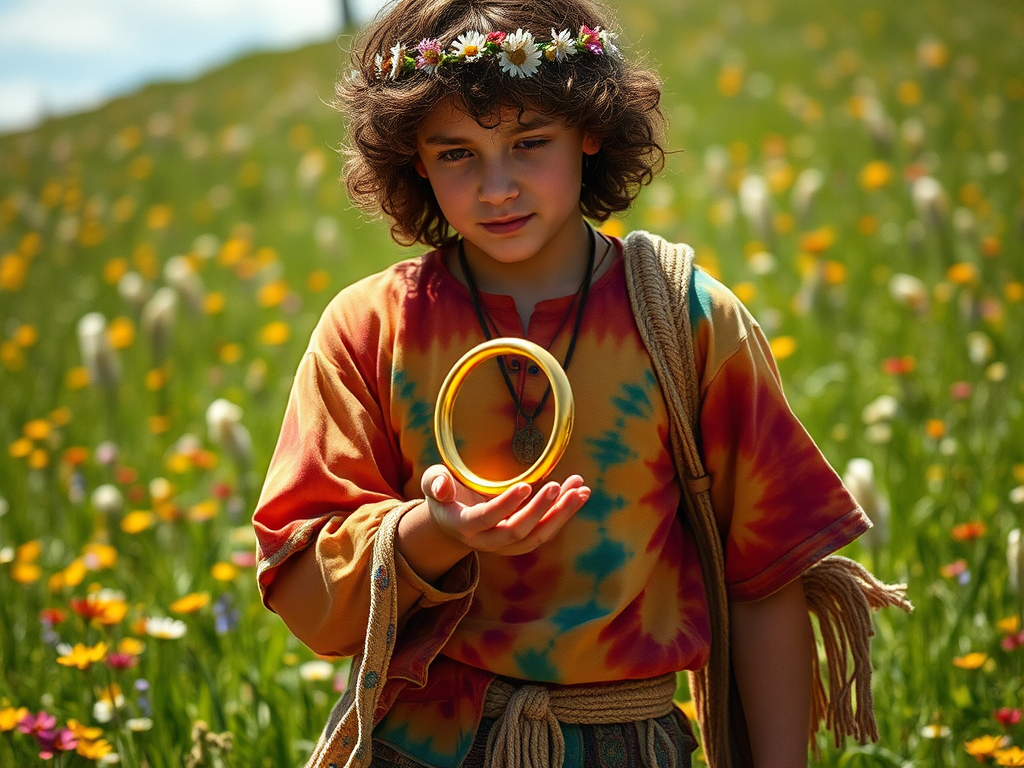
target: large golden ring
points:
(564, 412)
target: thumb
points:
(438, 484)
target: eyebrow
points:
(524, 126)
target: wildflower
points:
(859, 479)
(139, 724)
(1007, 716)
(225, 615)
(98, 556)
(929, 201)
(62, 740)
(935, 731)
(955, 570)
(782, 347)
(10, 717)
(133, 289)
(909, 291)
(968, 531)
(469, 45)
(561, 47)
(158, 320)
(98, 355)
(882, 408)
(165, 628)
(805, 190)
(121, 333)
(520, 56)
(122, 660)
(106, 607)
(591, 39)
(983, 747)
(275, 334)
(1013, 756)
(316, 671)
(755, 203)
(224, 571)
(179, 275)
(40, 723)
(107, 499)
(224, 426)
(106, 453)
(430, 52)
(94, 750)
(960, 390)
(137, 521)
(875, 175)
(971, 661)
(899, 366)
(190, 603)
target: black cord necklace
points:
(527, 441)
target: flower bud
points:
(224, 427)
(178, 274)
(158, 321)
(929, 201)
(107, 499)
(98, 355)
(756, 204)
(859, 480)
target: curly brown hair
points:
(609, 98)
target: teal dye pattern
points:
(634, 401)
(699, 298)
(421, 416)
(397, 736)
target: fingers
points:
(539, 520)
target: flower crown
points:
(517, 52)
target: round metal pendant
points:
(528, 444)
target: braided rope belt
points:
(526, 733)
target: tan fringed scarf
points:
(839, 591)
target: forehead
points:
(446, 120)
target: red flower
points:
(961, 390)
(968, 531)
(496, 37)
(52, 616)
(1007, 717)
(122, 660)
(899, 366)
(1013, 642)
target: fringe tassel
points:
(842, 593)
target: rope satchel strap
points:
(526, 732)
(839, 591)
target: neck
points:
(554, 271)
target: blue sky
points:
(60, 56)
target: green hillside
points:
(855, 172)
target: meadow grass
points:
(853, 171)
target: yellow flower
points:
(835, 273)
(273, 293)
(29, 551)
(745, 292)
(230, 353)
(10, 717)
(156, 379)
(94, 750)
(26, 336)
(213, 303)
(20, 448)
(73, 575)
(38, 459)
(159, 216)
(909, 93)
(1013, 756)
(83, 731)
(132, 646)
(983, 747)
(274, 334)
(782, 347)
(875, 175)
(77, 378)
(730, 80)
(973, 660)
(136, 521)
(224, 571)
(159, 424)
(83, 656)
(114, 270)
(963, 273)
(99, 556)
(121, 332)
(26, 573)
(13, 272)
(60, 417)
(1008, 626)
(190, 603)
(203, 511)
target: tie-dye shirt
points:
(618, 593)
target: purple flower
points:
(225, 616)
(430, 52)
(53, 742)
(591, 39)
(34, 725)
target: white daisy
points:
(520, 56)
(562, 46)
(469, 45)
(397, 60)
(165, 629)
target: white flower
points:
(562, 46)
(520, 56)
(608, 42)
(882, 408)
(224, 426)
(929, 201)
(756, 204)
(316, 671)
(469, 45)
(909, 291)
(178, 274)
(859, 480)
(139, 724)
(397, 60)
(107, 499)
(133, 289)
(165, 628)
(98, 355)
(158, 320)
(805, 190)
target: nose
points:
(497, 183)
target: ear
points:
(421, 169)
(591, 144)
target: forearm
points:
(771, 646)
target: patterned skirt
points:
(586, 746)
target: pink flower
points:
(496, 37)
(34, 725)
(1013, 642)
(591, 39)
(62, 741)
(960, 390)
(122, 660)
(430, 52)
(1007, 717)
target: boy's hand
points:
(506, 524)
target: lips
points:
(506, 226)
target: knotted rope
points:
(839, 591)
(526, 733)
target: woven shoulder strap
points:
(839, 591)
